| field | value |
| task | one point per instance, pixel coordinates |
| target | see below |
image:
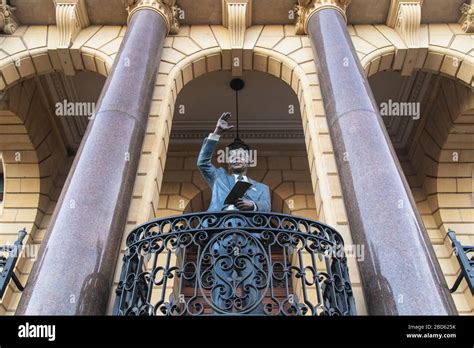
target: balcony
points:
(234, 263)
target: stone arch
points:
(439, 187)
(438, 60)
(446, 139)
(35, 169)
(446, 62)
(449, 173)
(303, 81)
(296, 68)
(289, 200)
(17, 80)
(449, 160)
(22, 202)
(457, 143)
(439, 166)
(30, 63)
(27, 61)
(436, 192)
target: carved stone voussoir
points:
(305, 8)
(237, 17)
(166, 8)
(467, 18)
(8, 22)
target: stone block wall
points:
(440, 170)
(196, 50)
(35, 167)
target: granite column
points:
(400, 273)
(74, 271)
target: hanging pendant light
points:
(237, 85)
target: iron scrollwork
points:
(8, 257)
(465, 256)
(244, 263)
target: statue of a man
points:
(256, 198)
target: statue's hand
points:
(244, 204)
(223, 123)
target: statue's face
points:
(238, 160)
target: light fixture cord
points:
(237, 110)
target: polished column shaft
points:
(75, 268)
(400, 273)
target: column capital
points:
(467, 18)
(306, 8)
(166, 8)
(8, 22)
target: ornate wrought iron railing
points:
(8, 258)
(234, 263)
(465, 256)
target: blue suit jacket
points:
(221, 183)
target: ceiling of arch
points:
(268, 108)
(421, 87)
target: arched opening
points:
(42, 123)
(168, 184)
(431, 125)
(270, 122)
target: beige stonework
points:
(429, 168)
(36, 165)
(270, 55)
(267, 57)
(71, 18)
(449, 51)
(167, 182)
(440, 170)
(237, 17)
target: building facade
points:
(361, 114)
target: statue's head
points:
(239, 159)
